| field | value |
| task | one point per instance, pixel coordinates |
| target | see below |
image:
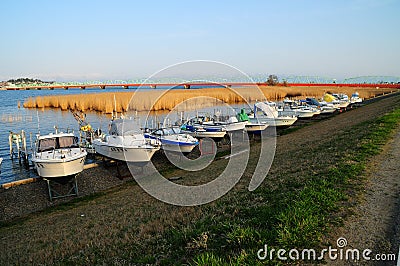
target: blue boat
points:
(173, 139)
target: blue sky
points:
(97, 40)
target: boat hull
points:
(178, 148)
(301, 113)
(229, 127)
(177, 145)
(310, 114)
(127, 154)
(328, 111)
(255, 128)
(275, 122)
(206, 134)
(52, 169)
(235, 126)
(355, 100)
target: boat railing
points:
(48, 148)
(69, 151)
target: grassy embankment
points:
(143, 101)
(301, 200)
(297, 214)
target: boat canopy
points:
(267, 109)
(329, 98)
(62, 142)
(312, 101)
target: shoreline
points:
(100, 169)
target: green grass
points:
(295, 215)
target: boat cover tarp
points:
(243, 116)
(329, 98)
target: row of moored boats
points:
(63, 154)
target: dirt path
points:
(375, 223)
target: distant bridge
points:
(198, 85)
(260, 80)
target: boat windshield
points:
(176, 130)
(168, 131)
(198, 120)
(47, 144)
(158, 132)
(57, 143)
(66, 142)
(312, 101)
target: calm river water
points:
(16, 119)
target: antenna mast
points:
(38, 121)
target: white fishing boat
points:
(355, 98)
(230, 123)
(327, 109)
(208, 123)
(126, 143)
(252, 128)
(324, 107)
(267, 114)
(307, 111)
(172, 139)
(199, 127)
(282, 122)
(58, 155)
(340, 100)
(296, 111)
(341, 104)
(299, 109)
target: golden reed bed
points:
(146, 100)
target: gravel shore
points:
(16, 202)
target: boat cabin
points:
(53, 142)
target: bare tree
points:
(272, 80)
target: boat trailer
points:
(62, 187)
